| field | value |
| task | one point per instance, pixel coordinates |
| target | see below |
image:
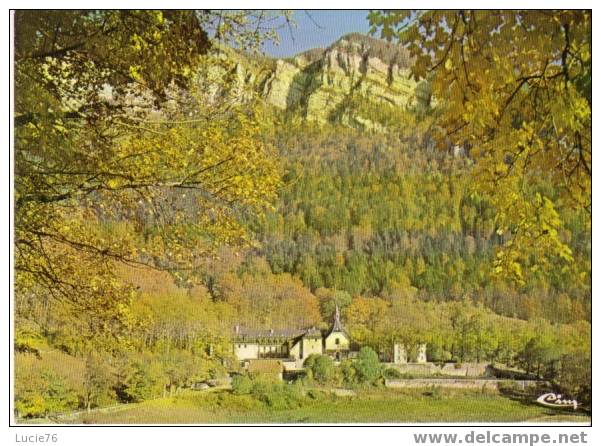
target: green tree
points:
(99, 382)
(367, 365)
(329, 299)
(144, 379)
(47, 393)
(347, 372)
(575, 377)
(242, 384)
(542, 352)
(321, 368)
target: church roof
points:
(337, 325)
(276, 335)
(266, 334)
(312, 333)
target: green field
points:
(380, 406)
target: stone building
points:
(292, 347)
(400, 354)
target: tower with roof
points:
(337, 339)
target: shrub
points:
(99, 382)
(509, 388)
(242, 384)
(348, 372)
(315, 394)
(434, 392)
(574, 378)
(392, 373)
(28, 342)
(142, 380)
(45, 394)
(310, 361)
(436, 353)
(367, 365)
(275, 394)
(321, 368)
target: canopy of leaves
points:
(514, 88)
(110, 168)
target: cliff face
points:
(358, 81)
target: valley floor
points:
(379, 406)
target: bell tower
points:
(337, 341)
(337, 326)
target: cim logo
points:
(556, 401)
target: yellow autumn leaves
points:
(514, 88)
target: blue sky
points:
(318, 28)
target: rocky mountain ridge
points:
(358, 81)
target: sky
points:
(317, 28)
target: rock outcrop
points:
(358, 81)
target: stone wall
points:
(413, 368)
(467, 369)
(480, 384)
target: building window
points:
(337, 341)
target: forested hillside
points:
(383, 227)
(369, 214)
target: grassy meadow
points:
(373, 406)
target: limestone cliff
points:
(359, 81)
